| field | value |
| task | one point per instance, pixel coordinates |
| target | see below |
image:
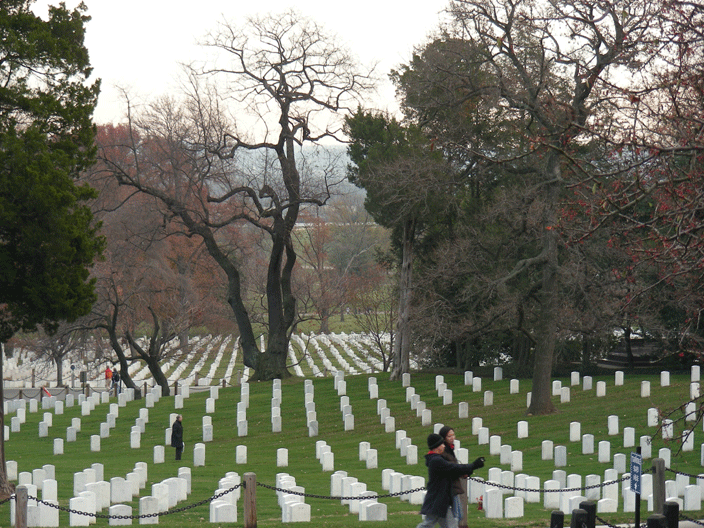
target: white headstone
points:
(612, 423)
(604, 452)
(522, 429)
(653, 417)
(488, 398)
(58, 446)
(664, 378)
(120, 510)
(372, 459)
(646, 447)
(587, 383)
(483, 436)
(600, 389)
(207, 433)
(476, 384)
(629, 437)
(565, 395)
(148, 506)
(516, 461)
(463, 411)
(241, 454)
(514, 386)
(645, 389)
(328, 461)
(199, 454)
(159, 454)
(468, 375)
(120, 490)
(547, 449)
(560, 456)
(494, 445)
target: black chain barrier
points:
(145, 516)
(328, 497)
(332, 497)
(685, 518)
(533, 490)
(606, 523)
(685, 474)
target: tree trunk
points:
(271, 364)
(629, 350)
(324, 321)
(59, 371)
(158, 375)
(402, 343)
(7, 488)
(183, 338)
(546, 330)
(122, 359)
(586, 353)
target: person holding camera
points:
(437, 505)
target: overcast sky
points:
(138, 44)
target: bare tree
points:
(216, 182)
(376, 315)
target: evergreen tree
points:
(47, 237)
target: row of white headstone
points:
(224, 508)
(341, 389)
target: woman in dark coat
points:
(437, 503)
(177, 436)
(448, 435)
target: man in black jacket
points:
(437, 505)
(177, 436)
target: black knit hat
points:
(444, 431)
(434, 440)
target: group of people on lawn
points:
(442, 499)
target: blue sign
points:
(636, 471)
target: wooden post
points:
(658, 486)
(656, 521)
(557, 519)
(21, 507)
(250, 500)
(579, 518)
(671, 511)
(590, 508)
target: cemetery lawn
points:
(501, 418)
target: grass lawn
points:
(501, 418)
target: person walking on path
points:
(458, 488)
(177, 436)
(437, 505)
(108, 378)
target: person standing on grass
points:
(437, 505)
(177, 436)
(448, 435)
(116, 380)
(108, 378)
